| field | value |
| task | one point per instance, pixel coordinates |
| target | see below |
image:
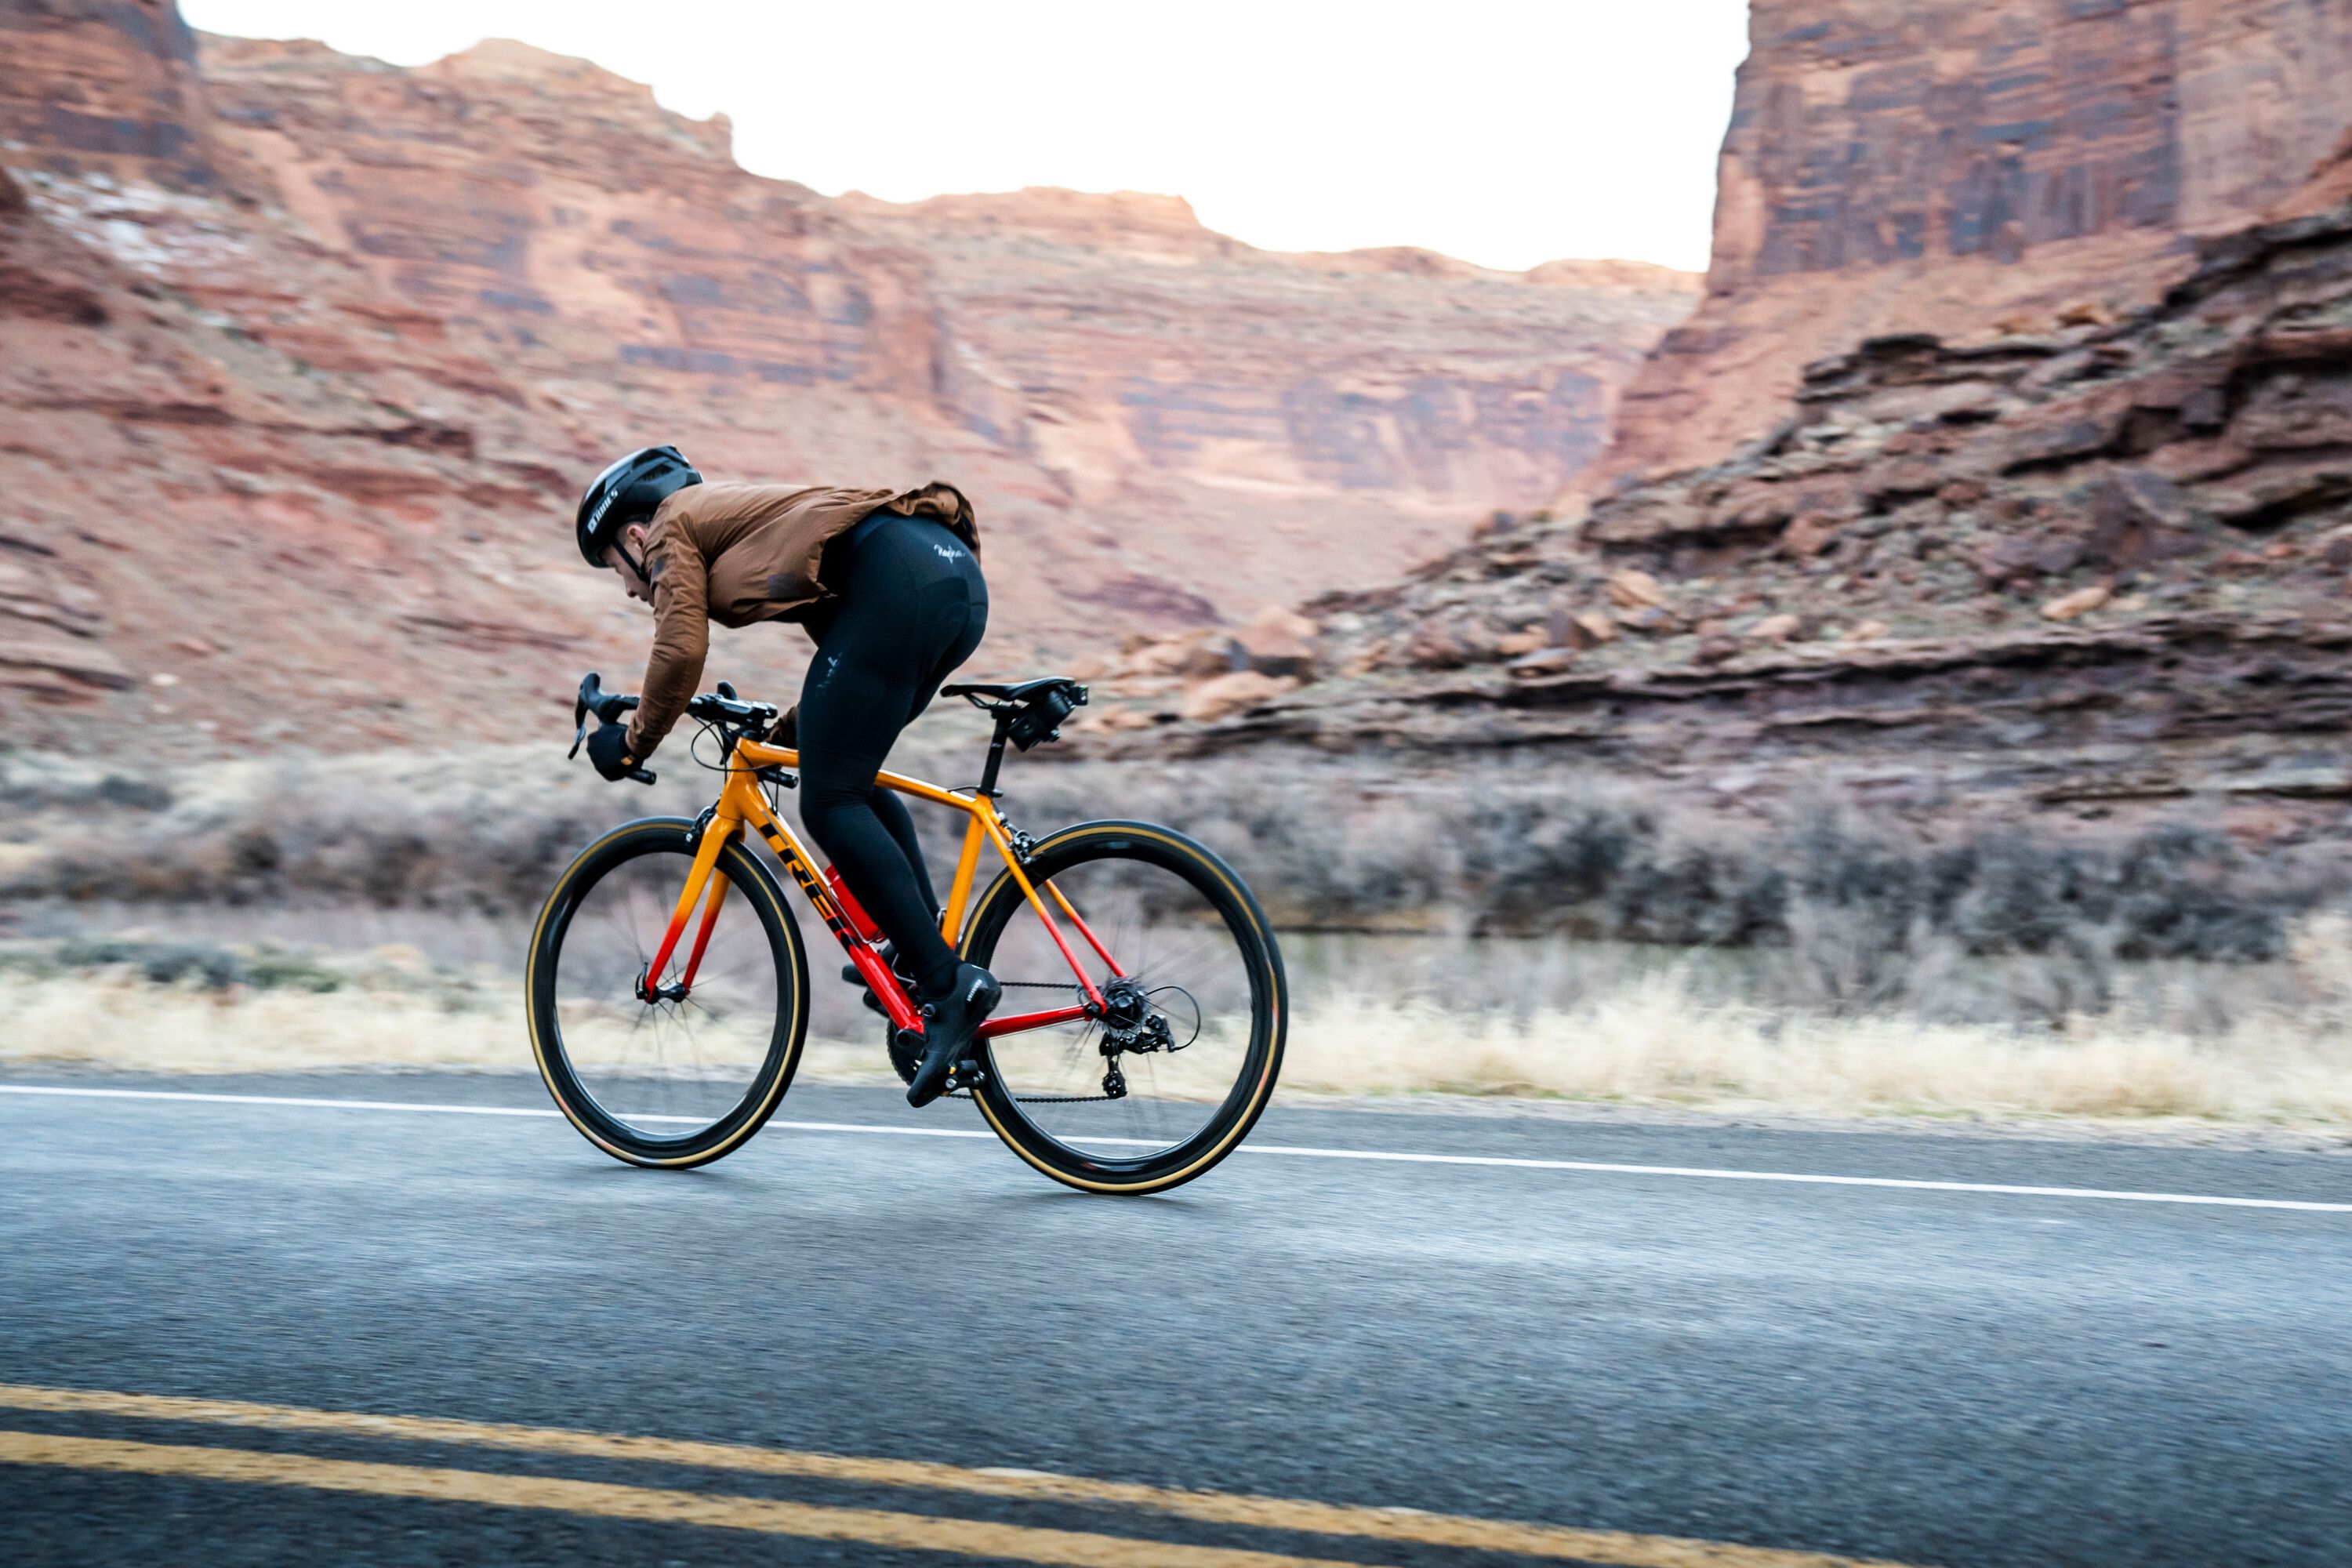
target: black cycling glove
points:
(608, 749)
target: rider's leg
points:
(912, 605)
(887, 804)
(900, 826)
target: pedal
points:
(967, 1075)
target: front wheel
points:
(1166, 1086)
(679, 1068)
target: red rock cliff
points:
(109, 84)
(1948, 165)
(332, 344)
(1113, 373)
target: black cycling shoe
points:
(951, 1025)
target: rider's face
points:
(636, 587)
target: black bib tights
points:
(910, 606)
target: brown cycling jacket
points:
(736, 553)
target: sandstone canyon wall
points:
(1947, 166)
(303, 358)
(2095, 575)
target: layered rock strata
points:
(2098, 572)
(1945, 167)
(108, 85)
(1284, 404)
(303, 359)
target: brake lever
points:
(580, 712)
(608, 707)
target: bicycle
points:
(1149, 1066)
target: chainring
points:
(906, 1048)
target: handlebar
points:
(720, 707)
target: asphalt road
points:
(1917, 1374)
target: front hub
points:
(650, 994)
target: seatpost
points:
(995, 756)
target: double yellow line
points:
(875, 1527)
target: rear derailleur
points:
(1130, 1023)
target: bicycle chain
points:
(1043, 1098)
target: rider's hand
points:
(786, 731)
(608, 749)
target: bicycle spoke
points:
(1162, 931)
(667, 1069)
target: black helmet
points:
(628, 492)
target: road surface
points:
(854, 1342)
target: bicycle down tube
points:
(740, 803)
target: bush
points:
(1336, 845)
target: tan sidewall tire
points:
(1163, 845)
(745, 872)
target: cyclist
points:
(888, 584)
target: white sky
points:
(1503, 132)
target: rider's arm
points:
(681, 636)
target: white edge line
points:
(1908, 1183)
(1290, 1151)
(81, 1093)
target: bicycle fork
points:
(704, 875)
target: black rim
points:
(673, 1082)
(1029, 1088)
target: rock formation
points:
(1153, 368)
(1947, 166)
(332, 345)
(110, 86)
(2096, 571)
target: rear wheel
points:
(683, 1078)
(1166, 1085)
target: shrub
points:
(1337, 844)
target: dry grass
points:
(126, 1022)
(1645, 1039)
(1651, 1045)
(122, 1022)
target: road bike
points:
(667, 988)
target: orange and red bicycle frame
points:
(741, 803)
